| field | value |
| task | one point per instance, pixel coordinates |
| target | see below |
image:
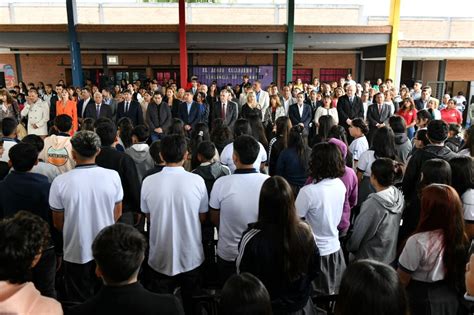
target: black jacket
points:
(125, 166)
(91, 111)
(158, 116)
(128, 299)
(345, 110)
(413, 170)
(134, 112)
(263, 257)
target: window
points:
(332, 74)
(306, 75)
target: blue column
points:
(76, 65)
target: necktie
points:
(126, 106)
(351, 99)
(380, 108)
(223, 111)
(98, 111)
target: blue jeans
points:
(411, 132)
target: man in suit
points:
(377, 115)
(189, 112)
(287, 99)
(82, 104)
(130, 108)
(263, 98)
(194, 86)
(300, 113)
(109, 100)
(158, 117)
(349, 106)
(225, 109)
(97, 109)
(52, 103)
(422, 102)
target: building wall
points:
(50, 68)
(430, 71)
(460, 70)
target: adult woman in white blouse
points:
(326, 109)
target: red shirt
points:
(409, 116)
(451, 116)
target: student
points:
(454, 141)
(4, 167)
(463, 181)
(280, 249)
(432, 263)
(468, 147)
(41, 167)
(437, 135)
(408, 113)
(113, 159)
(88, 124)
(175, 212)
(371, 288)
(423, 118)
(403, 145)
(139, 151)
(350, 181)
(244, 294)
(9, 136)
(278, 143)
(242, 127)
(451, 114)
(22, 239)
(118, 252)
(321, 203)
(358, 129)
(23, 189)
(159, 164)
(97, 188)
(293, 162)
(376, 227)
(57, 149)
(209, 169)
(234, 202)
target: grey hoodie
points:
(141, 156)
(376, 227)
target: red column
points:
(183, 52)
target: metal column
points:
(19, 72)
(290, 40)
(392, 47)
(76, 65)
(183, 52)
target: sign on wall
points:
(233, 75)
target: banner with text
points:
(233, 74)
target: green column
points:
(290, 40)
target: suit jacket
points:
(91, 111)
(134, 112)
(113, 106)
(375, 117)
(158, 116)
(263, 100)
(230, 113)
(295, 117)
(346, 110)
(194, 116)
(420, 105)
(80, 107)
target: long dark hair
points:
(199, 134)
(125, 126)
(283, 126)
(258, 131)
(177, 127)
(277, 207)
(383, 143)
(470, 140)
(326, 122)
(221, 134)
(296, 142)
(462, 169)
(441, 208)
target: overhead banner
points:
(233, 74)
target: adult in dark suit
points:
(300, 113)
(52, 103)
(158, 117)
(349, 106)
(130, 108)
(422, 102)
(98, 109)
(110, 101)
(189, 112)
(377, 115)
(118, 252)
(82, 104)
(225, 109)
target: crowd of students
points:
(139, 199)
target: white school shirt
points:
(7, 145)
(321, 204)
(365, 162)
(422, 256)
(87, 195)
(236, 196)
(358, 146)
(226, 157)
(174, 198)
